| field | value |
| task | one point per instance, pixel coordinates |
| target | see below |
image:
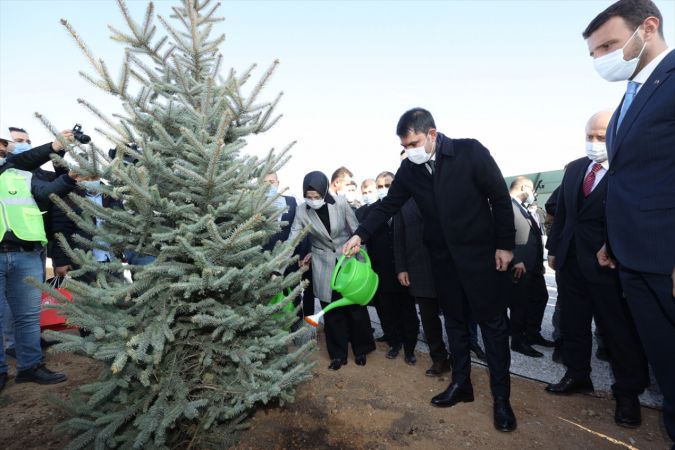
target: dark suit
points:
(467, 216)
(396, 307)
(589, 290)
(641, 219)
(528, 294)
(412, 256)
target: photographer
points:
(22, 237)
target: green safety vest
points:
(20, 213)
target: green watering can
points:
(286, 310)
(356, 281)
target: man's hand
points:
(405, 280)
(67, 135)
(352, 246)
(551, 261)
(62, 271)
(519, 270)
(306, 260)
(503, 259)
(603, 258)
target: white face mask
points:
(315, 204)
(530, 198)
(612, 66)
(596, 151)
(350, 196)
(382, 192)
(370, 198)
(419, 155)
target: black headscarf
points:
(317, 181)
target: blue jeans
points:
(8, 323)
(24, 302)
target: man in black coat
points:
(413, 269)
(528, 288)
(589, 290)
(396, 306)
(469, 231)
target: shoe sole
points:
(631, 426)
(575, 391)
(61, 380)
(505, 430)
(448, 405)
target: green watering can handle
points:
(338, 266)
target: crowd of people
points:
(448, 238)
(447, 235)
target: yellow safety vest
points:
(20, 213)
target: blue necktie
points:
(631, 91)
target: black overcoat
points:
(466, 209)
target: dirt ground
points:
(384, 405)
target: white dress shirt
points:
(599, 174)
(647, 70)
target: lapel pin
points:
(656, 82)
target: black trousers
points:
(433, 327)
(528, 303)
(583, 301)
(348, 324)
(495, 330)
(650, 299)
(400, 324)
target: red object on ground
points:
(50, 318)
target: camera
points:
(128, 159)
(79, 134)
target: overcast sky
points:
(514, 74)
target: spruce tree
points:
(191, 348)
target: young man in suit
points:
(590, 290)
(626, 43)
(528, 287)
(468, 228)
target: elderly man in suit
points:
(590, 290)
(626, 43)
(331, 221)
(468, 228)
(528, 289)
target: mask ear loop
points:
(644, 44)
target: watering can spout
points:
(314, 319)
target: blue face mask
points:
(90, 185)
(21, 147)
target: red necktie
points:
(589, 181)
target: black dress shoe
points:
(525, 349)
(438, 367)
(39, 374)
(382, 338)
(393, 352)
(569, 385)
(504, 419)
(410, 359)
(602, 354)
(3, 380)
(478, 352)
(336, 363)
(540, 340)
(627, 413)
(453, 395)
(11, 352)
(360, 360)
